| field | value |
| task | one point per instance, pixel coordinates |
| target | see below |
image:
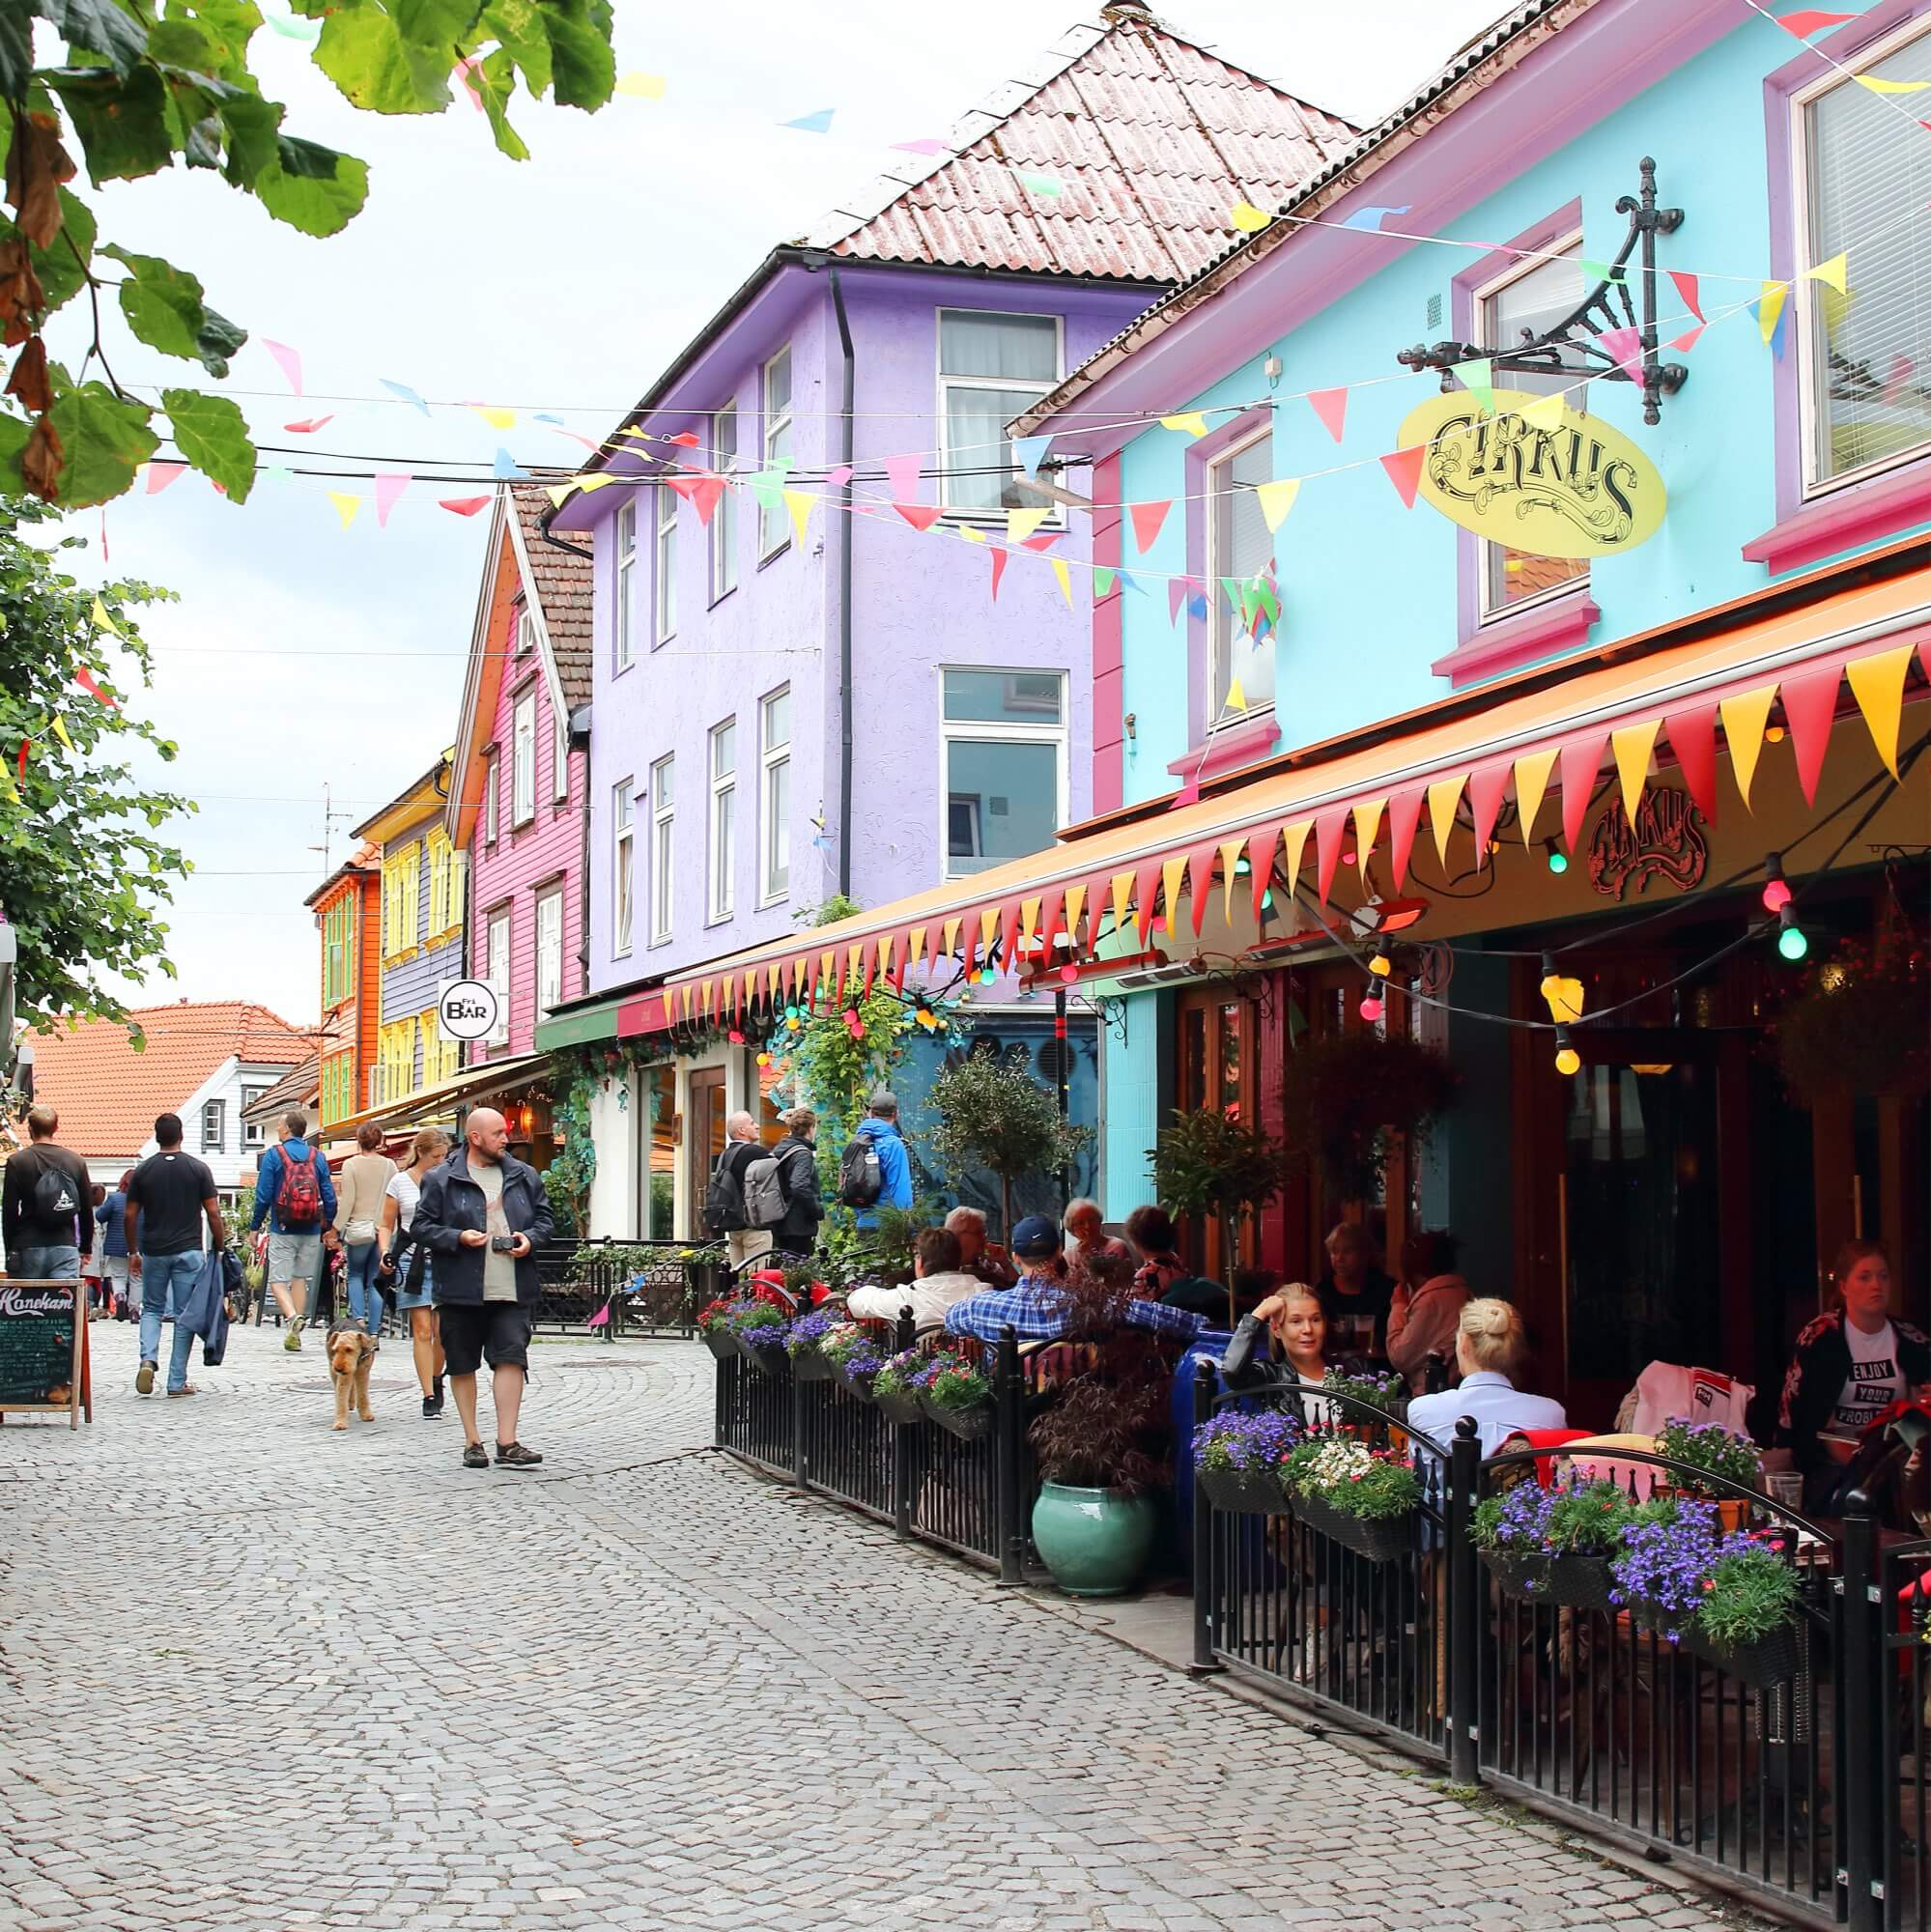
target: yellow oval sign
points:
(1535, 475)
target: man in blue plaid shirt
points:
(1040, 1307)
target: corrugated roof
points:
(563, 588)
(108, 1095)
(292, 1090)
(1150, 139)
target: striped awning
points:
(1545, 747)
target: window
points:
(662, 780)
(1005, 749)
(1530, 301)
(214, 1125)
(724, 817)
(559, 757)
(1866, 355)
(526, 629)
(1241, 667)
(664, 577)
(774, 826)
(498, 977)
(446, 887)
(335, 1088)
(991, 368)
(623, 866)
(395, 1063)
(626, 574)
(402, 875)
(254, 1133)
(549, 952)
(774, 520)
(338, 951)
(725, 517)
(441, 1055)
(490, 779)
(523, 759)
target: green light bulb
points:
(1559, 862)
(1793, 942)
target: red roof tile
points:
(1151, 139)
(108, 1093)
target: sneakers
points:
(292, 1341)
(187, 1388)
(144, 1383)
(436, 1392)
(430, 1411)
(514, 1456)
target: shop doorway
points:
(707, 1134)
(1218, 1055)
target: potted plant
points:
(1344, 1096)
(854, 1359)
(1553, 1546)
(1720, 1451)
(1856, 1027)
(1364, 1498)
(759, 1329)
(1238, 1455)
(992, 1113)
(893, 1389)
(956, 1394)
(1208, 1164)
(714, 1325)
(1097, 1451)
(1730, 1599)
(1385, 1390)
(803, 1343)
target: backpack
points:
(765, 1201)
(723, 1199)
(861, 1178)
(297, 1200)
(54, 1196)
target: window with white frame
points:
(559, 755)
(1241, 666)
(1542, 291)
(1004, 744)
(549, 951)
(991, 368)
(491, 797)
(626, 580)
(724, 819)
(666, 559)
(523, 759)
(254, 1133)
(663, 832)
(1865, 354)
(774, 825)
(214, 1125)
(774, 520)
(526, 629)
(623, 866)
(724, 515)
(498, 976)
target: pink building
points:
(517, 799)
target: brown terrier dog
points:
(351, 1351)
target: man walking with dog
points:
(482, 1214)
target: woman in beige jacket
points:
(358, 1206)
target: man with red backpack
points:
(295, 1195)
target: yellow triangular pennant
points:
(1248, 219)
(346, 505)
(1029, 922)
(1066, 582)
(1633, 745)
(1277, 499)
(1744, 719)
(1367, 823)
(57, 725)
(1878, 85)
(988, 930)
(1443, 796)
(915, 945)
(1297, 835)
(1075, 905)
(1769, 307)
(1121, 888)
(969, 534)
(1236, 696)
(1230, 857)
(1169, 890)
(800, 504)
(1190, 421)
(101, 617)
(1021, 523)
(559, 494)
(1532, 770)
(1831, 271)
(1877, 683)
(1545, 412)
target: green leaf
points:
(163, 304)
(252, 126)
(202, 147)
(315, 204)
(16, 50)
(363, 52)
(494, 81)
(227, 26)
(436, 27)
(61, 267)
(181, 43)
(213, 435)
(306, 158)
(518, 27)
(103, 440)
(101, 27)
(123, 125)
(586, 68)
(14, 433)
(217, 340)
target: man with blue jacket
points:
(295, 1197)
(880, 1127)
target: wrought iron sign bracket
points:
(1572, 347)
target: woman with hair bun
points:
(1489, 1344)
(412, 1278)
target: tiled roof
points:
(1150, 139)
(108, 1095)
(292, 1089)
(563, 588)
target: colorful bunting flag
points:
(1443, 796)
(1631, 746)
(1745, 717)
(1048, 185)
(819, 123)
(1686, 341)
(1021, 523)
(1626, 345)
(309, 426)
(838, 475)
(1063, 579)
(507, 469)
(1331, 407)
(1485, 786)
(1878, 85)
(1189, 422)
(1692, 737)
(799, 502)
(1770, 308)
(1877, 683)
(1545, 412)
(406, 395)
(1237, 696)
(1831, 271)
(1102, 581)
(1532, 775)
(1403, 468)
(463, 506)
(1277, 499)
(1807, 20)
(1403, 816)
(559, 494)
(1371, 218)
(1478, 378)
(1000, 559)
(1594, 272)
(1031, 450)
(1147, 519)
(971, 533)
(162, 474)
(346, 505)
(640, 86)
(926, 145)
(494, 415)
(1296, 836)
(1809, 702)
(287, 359)
(1580, 759)
(1248, 219)
(921, 515)
(389, 486)
(1689, 289)
(57, 725)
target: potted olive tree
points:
(1209, 1164)
(992, 1113)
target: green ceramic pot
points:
(1093, 1540)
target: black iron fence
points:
(1797, 1781)
(618, 1287)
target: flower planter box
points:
(808, 1365)
(1732, 1512)
(1244, 1492)
(1574, 1581)
(768, 1358)
(1765, 1664)
(1379, 1539)
(903, 1410)
(722, 1342)
(969, 1425)
(859, 1386)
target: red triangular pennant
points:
(1331, 407)
(1009, 936)
(1692, 737)
(1261, 850)
(921, 515)
(1403, 816)
(1146, 886)
(1582, 757)
(1809, 703)
(1000, 560)
(1330, 828)
(1687, 288)
(1403, 468)
(1200, 878)
(84, 677)
(1485, 786)
(1147, 520)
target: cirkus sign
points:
(1580, 489)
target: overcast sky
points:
(299, 656)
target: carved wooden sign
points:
(1665, 843)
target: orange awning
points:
(1538, 746)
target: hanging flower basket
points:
(1239, 1453)
(721, 1344)
(896, 1407)
(894, 1391)
(1765, 1663)
(1365, 1499)
(1575, 1582)
(808, 1365)
(1245, 1491)
(855, 1377)
(1381, 1539)
(764, 1350)
(970, 1423)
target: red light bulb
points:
(1776, 895)
(1070, 974)
(1372, 1010)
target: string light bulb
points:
(1567, 1060)
(1776, 893)
(1070, 974)
(1791, 941)
(1371, 1008)
(1559, 859)
(1380, 965)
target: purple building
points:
(799, 690)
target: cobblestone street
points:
(257, 1674)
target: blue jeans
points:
(167, 1280)
(62, 1264)
(365, 1300)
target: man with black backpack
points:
(47, 1205)
(875, 1171)
(727, 1210)
(295, 1195)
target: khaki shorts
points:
(293, 1257)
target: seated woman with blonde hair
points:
(1489, 1344)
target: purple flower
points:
(1238, 1439)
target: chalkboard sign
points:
(41, 1323)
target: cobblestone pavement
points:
(255, 1674)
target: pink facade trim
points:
(1884, 506)
(1510, 642)
(1109, 675)
(1201, 452)
(1225, 751)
